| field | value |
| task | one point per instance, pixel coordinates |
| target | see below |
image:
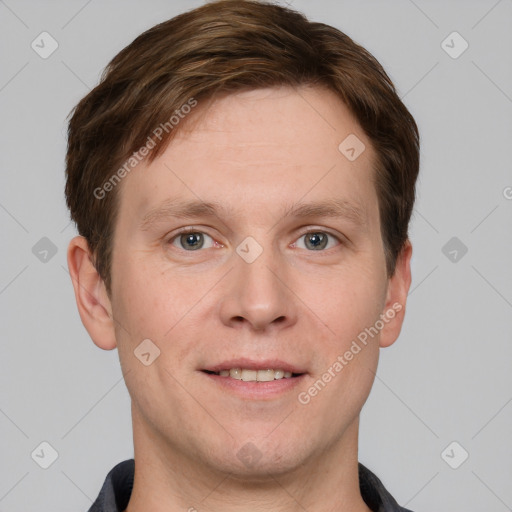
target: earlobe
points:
(398, 288)
(91, 298)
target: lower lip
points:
(256, 390)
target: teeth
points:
(255, 375)
(249, 375)
(265, 375)
(235, 373)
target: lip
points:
(255, 390)
(252, 364)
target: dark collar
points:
(117, 489)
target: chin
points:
(265, 467)
(258, 458)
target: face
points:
(252, 247)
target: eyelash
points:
(312, 231)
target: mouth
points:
(250, 379)
(248, 375)
(250, 370)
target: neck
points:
(167, 480)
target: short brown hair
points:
(228, 46)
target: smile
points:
(254, 375)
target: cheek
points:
(346, 302)
(157, 305)
(144, 306)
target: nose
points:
(259, 294)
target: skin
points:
(255, 152)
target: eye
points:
(317, 241)
(190, 240)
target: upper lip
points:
(253, 364)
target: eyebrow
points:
(331, 208)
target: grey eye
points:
(316, 241)
(191, 241)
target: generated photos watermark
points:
(343, 360)
(142, 152)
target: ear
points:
(398, 288)
(91, 296)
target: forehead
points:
(272, 146)
(275, 125)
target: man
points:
(242, 180)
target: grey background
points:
(448, 376)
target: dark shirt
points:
(117, 489)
